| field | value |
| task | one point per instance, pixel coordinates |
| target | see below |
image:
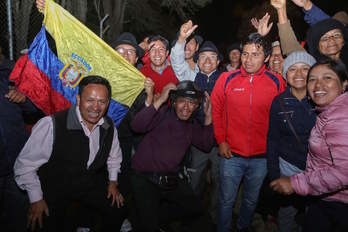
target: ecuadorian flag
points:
(51, 81)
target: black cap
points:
(129, 38)
(187, 89)
(208, 46)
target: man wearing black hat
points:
(208, 59)
(170, 130)
(183, 52)
(126, 45)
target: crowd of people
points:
(274, 117)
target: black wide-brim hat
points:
(187, 89)
(129, 38)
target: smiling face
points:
(296, 75)
(253, 58)
(207, 62)
(331, 43)
(128, 52)
(157, 53)
(184, 107)
(190, 48)
(234, 56)
(324, 85)
(276, 60)
(93, 103)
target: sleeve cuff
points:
(35, 195)
(113, 175)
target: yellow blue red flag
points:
(51, 79)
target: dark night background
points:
(221, 21)
(226, 21)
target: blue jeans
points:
(253, 171)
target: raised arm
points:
(313, 14)
(177, 57)
(288, 40)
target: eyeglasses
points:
(336, 36)
(204, 58)
(130, 52)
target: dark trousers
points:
(91, 209)
(325, 216)
(14, 204)
(156, 206)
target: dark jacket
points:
(205, 83)
(167, 139)
(281, 141)
(316, 31)
(12, 132)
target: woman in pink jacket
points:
(326, 174)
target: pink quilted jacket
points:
(327, 161)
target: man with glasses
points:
(126, 45)
(208, 59)
(241, 102)
(159, 69)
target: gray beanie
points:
(297, 57)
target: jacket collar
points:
(337, 102)
(258, 73)
(73, 122)
(213, 75)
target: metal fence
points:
(20, 21)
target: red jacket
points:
(161, 80)
(241, 104)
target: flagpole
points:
(10, 34)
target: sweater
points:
(160, 79)
(167, 139)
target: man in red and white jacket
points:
(241, 101)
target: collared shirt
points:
(38, 149)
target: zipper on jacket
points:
(250, 111)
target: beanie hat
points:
(297, 57)
(318, 30)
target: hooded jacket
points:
(318, 30)
(326, 172)
(241, 104)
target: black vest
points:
(66, 173)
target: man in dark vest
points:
(73, 156)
